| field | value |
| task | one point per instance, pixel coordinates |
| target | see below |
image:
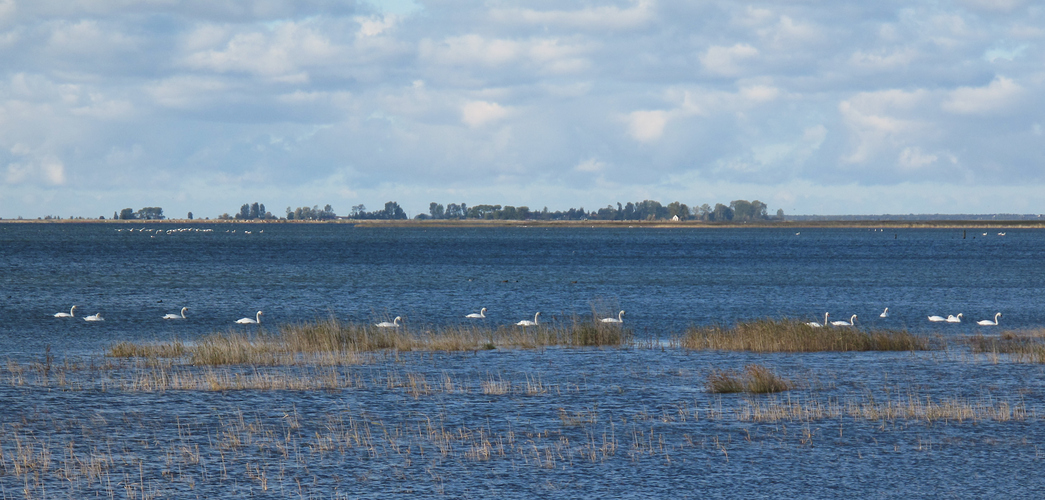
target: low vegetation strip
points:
(301, 343)
(793, 336)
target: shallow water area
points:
(557, 422)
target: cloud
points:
(647, 126)
(640, 14)
(999, 96)
(479, 113)
(727, 61)
(535, 102)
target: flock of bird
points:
(384, 324)
(536, 319)
(951, 318)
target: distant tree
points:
(255, 211)
(190, 215)
(435, 210)
(780, 214)
(453, 211)
(115, 216)
(244, 211)
(358, 211)
(127, 214)
(327, 213)
(261, 211)
(225, 216)
(393, 211)
(721, 213)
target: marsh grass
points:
(1020, 346)
(792, 336)
(755, 379)
(331, 341)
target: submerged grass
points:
(331, 341)
(1021, 346)
(792, 336)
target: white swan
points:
(527, 322)
(885, 313)
(94, 317)
(851, 322)
(481, 315)
(814, 324)
(937, 319)
(393, 324)
(618, 319)
(250, 321)
(987, 322)
(175, 316)
(954, 319)
(69, 314)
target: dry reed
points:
(755, 379)
(792, 336)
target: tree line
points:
(737, 210)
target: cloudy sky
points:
(814, 107)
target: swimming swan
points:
(954, 319)
(814, 324)
(393, 324)
(94, 317)
(851, 322)
(885, 313)
(250, 321)
(527, 322)
(937, 319)
(66, 315)
(175, 316)
(481, 315)
(987, 322)
(618, 319)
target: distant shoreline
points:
(429, 223)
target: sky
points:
(824, 107)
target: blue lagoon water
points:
(672, 438)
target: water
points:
(670, 441)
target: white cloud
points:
(592, 18)
(479, 113)
(590, 165)
(727, 61)
(647, 126)
(999, 96)
(913, 158)
(44, 169)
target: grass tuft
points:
(755, 379)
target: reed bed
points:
(792, 336)
(1020, 346)
(344, 343)
(755, 379)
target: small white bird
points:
(937, 319)
(527, 322)
(618, 319)
(393, 324)
(175, 316)
(851, 322)
(987, 322)
(69, 314)
(250, 321)
(94, 317)
(480, 315)
(885, 313)
(954, 319)
(814, 324)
